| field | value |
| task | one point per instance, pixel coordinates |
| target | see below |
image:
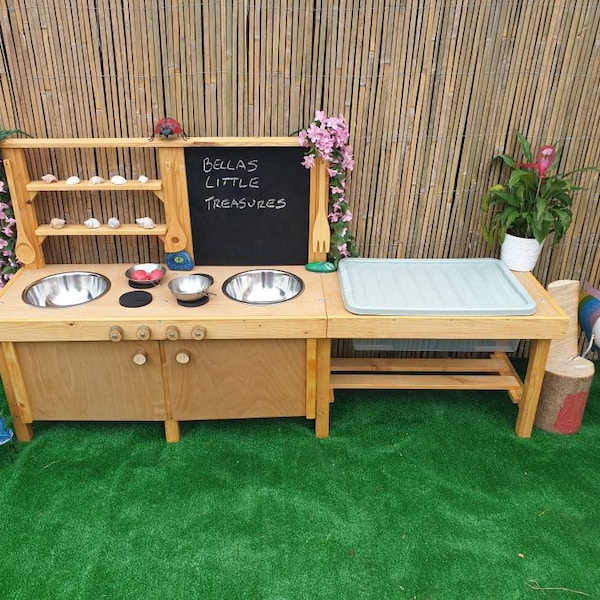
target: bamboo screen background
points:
(431, 91)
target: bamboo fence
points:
(432, 91)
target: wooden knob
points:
(140, 357)
(143, 332)
(115, 334)
(172, 333)
(183, 357)
(198, 332)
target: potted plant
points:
(532, 205)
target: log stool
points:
(568, 376)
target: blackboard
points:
(248, 205)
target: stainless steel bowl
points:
(189, 288)
(263, 286)
(148, 268)
(66, 289)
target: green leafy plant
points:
(533, 203)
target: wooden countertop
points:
(548, 322)
(301, 317)
(318, 312)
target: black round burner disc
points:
(142, 285)
(135, 299)
(191, 303)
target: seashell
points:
(114, 223)
(49, 178)
(92, 223)
(118, 180)
(146, 223)
(96, 179)
(73, 180)
(57, 223)
(143, 179)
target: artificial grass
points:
(424, 495)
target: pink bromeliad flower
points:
(543, 160)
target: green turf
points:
(426, 495)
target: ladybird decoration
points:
(168, 126)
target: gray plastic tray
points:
(466, 286)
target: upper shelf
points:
(62, 186)
(154, 185)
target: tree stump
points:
(568, 376)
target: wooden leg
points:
(536, 368)
(16, 392)
(323, 389)
(172, 433)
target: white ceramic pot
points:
(520, 254)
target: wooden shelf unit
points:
(170, 189)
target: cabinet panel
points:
(231, 379)
(97, 381)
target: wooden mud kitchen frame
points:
(168, 363)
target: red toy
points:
(168, 126)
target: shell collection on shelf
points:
(57, 223)
(92, 223)
(94, 180)
(145, 223)
(113, 223)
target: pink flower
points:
(334, 217)
(308, 161)
(2, 187)
(3, 243)
(336, 190)
(543, 160)
(347, 216)
(343, 250)
(303, 138)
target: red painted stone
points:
(571, 413)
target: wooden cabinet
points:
(93, 381)
(235, 379)
(164, 380)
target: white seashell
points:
(114, 223)
(49, 178)
(57, 223)
(143, 179)
(73, 180)
(92, 223)
(96, 179)
(118, 180)
(146, 223)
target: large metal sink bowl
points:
(64, 290)
(263, 286)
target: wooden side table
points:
(493, 373)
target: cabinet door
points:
(235, 379)
(93, 381)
